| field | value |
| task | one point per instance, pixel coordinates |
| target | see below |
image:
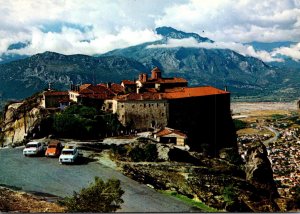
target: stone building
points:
(168, 135)
(202, 113)
(93, 95)
(139, 111)
(157, 82)
(55, 99)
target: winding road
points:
(46, 175)
(273, 139)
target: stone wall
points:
(143, 114)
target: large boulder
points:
(259, 171)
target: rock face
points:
(259, 171)
(220, 183)
(20, 119)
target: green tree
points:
(239, 124)
(151, 153)
(229, 194)
(137, 154)
(99, 196)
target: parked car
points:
(33, 148)
(69, 154)
(53, 149)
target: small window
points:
(157, 105)
(149, 105)
(132, 106)
(162, 114)
(122, 106)
(110, 105)
(144, 105)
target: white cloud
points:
(117, 24)
(239, 21)
(246, 50)
(293, 51)
(70, 41)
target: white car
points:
(69, 154)
(33, 148)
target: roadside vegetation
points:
(99, 196)
(143, 152)
(190, 201)
(81, 122)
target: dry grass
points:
(251, 131)
(268, 113)
(13, 201)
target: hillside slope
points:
(244, 76)
(24, 77)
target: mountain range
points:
(244, 76)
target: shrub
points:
(239, 124)
(119, 151)
(229, 195)
(99, 196)
(151, 152)
(296, 196)
(137, 154)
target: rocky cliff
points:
(259, 171)
(218, 182)
(20, 119)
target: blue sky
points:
(97, 26)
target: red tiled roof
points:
(167, 80)
(167, 131)
(186, 92)
(128, 82)
(153, 90)
(114, 87)
(64, 100)
(56, 93)
(84, 86)
(96, 89)
(96, 96)
(175, 93)
(96, 92)
(117, 88)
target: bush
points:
(119, 151)
(239, 124)
(229, 195)
(296, 196)
(99, 196)
(137, 154)
(151, 153)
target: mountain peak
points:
(169, 32)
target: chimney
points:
(225, 88)
(156, 73)
(141, 77)
(145, 77)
